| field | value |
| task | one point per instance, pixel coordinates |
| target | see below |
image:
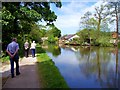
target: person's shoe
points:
(12, 76)
(17, 73)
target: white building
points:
(73, 37)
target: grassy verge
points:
(49, 74)
(4, 59)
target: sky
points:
(68, 16)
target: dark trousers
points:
(33, 52)
(16, 60)
(26, 52)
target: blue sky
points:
(68, 16)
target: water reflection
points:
(98, 62)
(88, 67)
(53, 48)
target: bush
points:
(119, 44)
(39, 50)
(4, 59)
(51, 39)
(103, 41)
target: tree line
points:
(20, 20)
(95, 26)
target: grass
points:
(4, 59)
(49, 74)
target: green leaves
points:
(31, 14)
(53, 31)
(18, 17)
(6, 16)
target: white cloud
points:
(80, 0)
(68, 16)
(68, 20)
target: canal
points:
(87, 67)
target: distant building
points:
(72, 37)
(114, 35)
(68, 38)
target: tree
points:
(100, 15)
(51, 39)
(92, 23)
(86, 22)
(85, 19)
(18, 17)
(83, 34)
(35, 33)
(53, 30)
(113, 7)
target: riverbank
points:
(49, 74)
(40, 71)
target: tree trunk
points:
(116, 25)
(98, 26)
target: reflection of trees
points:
(71, 48)
(117, 74)
(85, 55)
(54, 49)
(97, 61)
(113, 77)
(84, 51)
(119, 68)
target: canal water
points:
(87, 67)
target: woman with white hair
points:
(33, 45)
(26, 48)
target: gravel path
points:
(28, 77)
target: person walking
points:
(33, 46)
(26, 48)
(12, 50)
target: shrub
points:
(103, 41)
